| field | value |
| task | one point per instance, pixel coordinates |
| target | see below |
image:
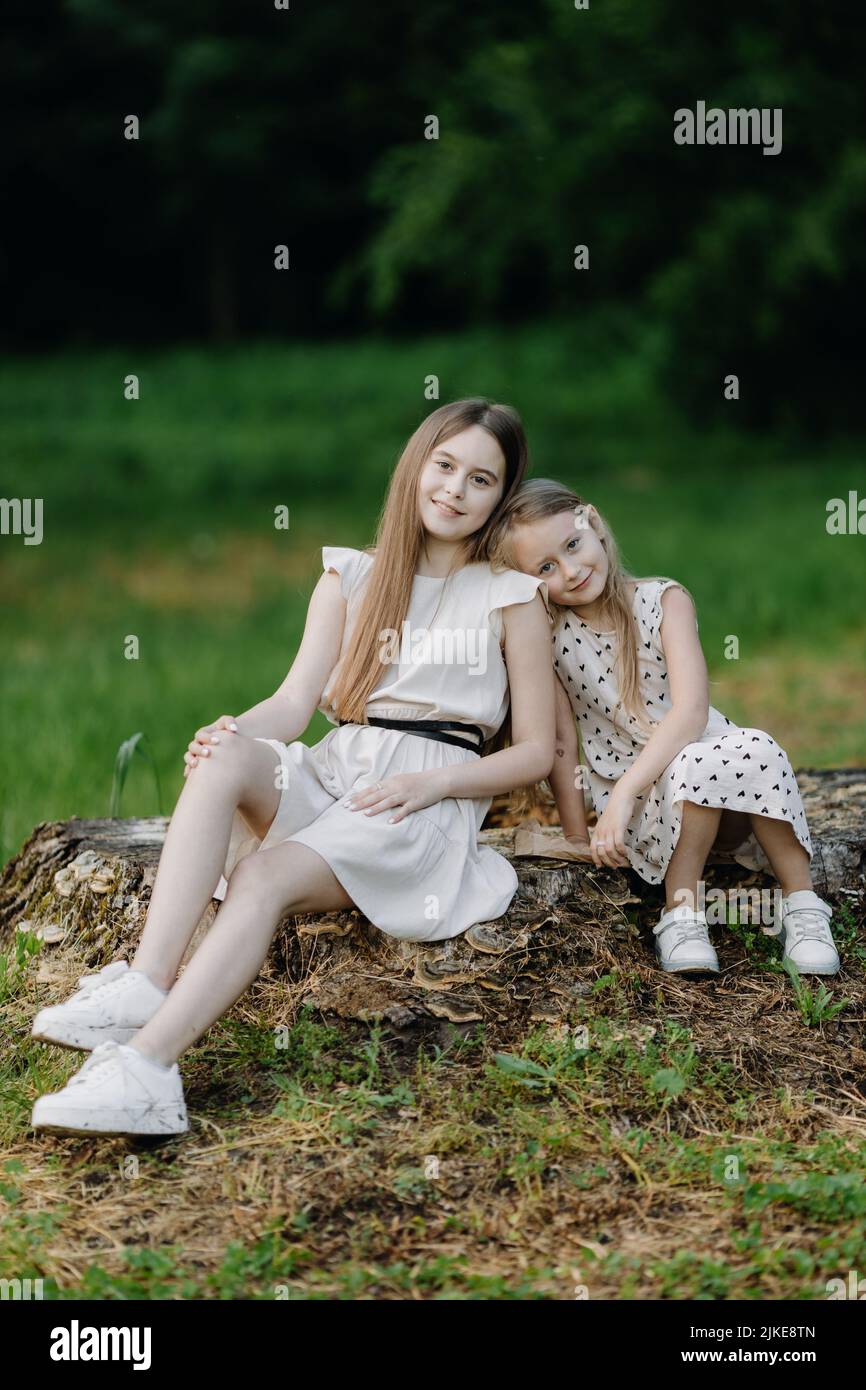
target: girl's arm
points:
(687, 718)
(286, 714)
(531, 681)
(569, 798)
(684, 722)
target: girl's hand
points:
(608, 835)
(200, 744)
(401, 794)
(530, 840)
(580, 846)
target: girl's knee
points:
(254, 879)
(760, 736)
(690, 750)
(227, 761)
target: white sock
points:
(160, 1066)
(149, 980)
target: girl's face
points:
(460, 484)
(566, 552)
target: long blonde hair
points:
(542, 497)
(400, 537)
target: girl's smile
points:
(566, 551)
(459, 486)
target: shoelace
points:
(693, 931)
(97, 1058)
(813, 926)
(93, 986)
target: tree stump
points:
(83, 887)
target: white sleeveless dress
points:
(426, 877)
(740, 769)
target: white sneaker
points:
(109, 1006)
(682, 942)
(806, 934)
(116, 1091)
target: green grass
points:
(159, 524)
(634, 1166)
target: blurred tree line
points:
(306, 127)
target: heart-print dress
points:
(740, 769)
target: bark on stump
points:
(83, 886)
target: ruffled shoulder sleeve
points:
(349, 564)
(511, 586)
(648, 606)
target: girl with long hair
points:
(670, 777)
(417, 650)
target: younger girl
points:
(416, 648)
(670, 777)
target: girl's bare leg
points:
(264, 885)
(698, 830)
(240, 774)
(788, 859)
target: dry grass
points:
(375, 1162)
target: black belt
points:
(431, 728)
